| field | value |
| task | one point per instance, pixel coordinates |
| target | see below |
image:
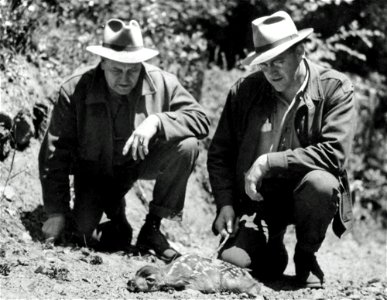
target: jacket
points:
(324, 123)
(80, 132)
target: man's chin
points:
(278, 89)
(123, 92)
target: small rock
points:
(54, 272)
(96, 260)
(5, 133)
(23, 262)
(26, 237)
(85, 251)
(373, 280)
(2, 252)
(49, 244)
(5, 269)
(319, 295)
(8, 193)
(23, 129)
(356, 297)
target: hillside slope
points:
(355, 266)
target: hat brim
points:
(256, 58)
(129, 57)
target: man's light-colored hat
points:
(123, 43)
(272, 35)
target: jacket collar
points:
(148, 86)
(313, 88)
(98, 88)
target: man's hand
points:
(254, 176)
(226, 223)
(138, 142)
(54, 226)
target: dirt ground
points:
(355, 266)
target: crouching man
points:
(279, 154)
(112, 124)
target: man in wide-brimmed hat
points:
(114, 123)
(279, 154)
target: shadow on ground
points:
(286, 283)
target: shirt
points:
(278, 132)
(122, 112)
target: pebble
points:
(8, 193)
(96, 260)
(318, 295)
(5, 269)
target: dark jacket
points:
(80, 132)
(324, 123)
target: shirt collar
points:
(305, 82)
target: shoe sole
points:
(149, 251)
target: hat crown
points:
(273, 29)
(118, 35)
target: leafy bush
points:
(59, 31)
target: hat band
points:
(122, 48)
(275, 44)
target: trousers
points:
(169, 163)
(309, 203)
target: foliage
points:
(59, 31)
(368, 164)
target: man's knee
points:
(316, 185)
(188, 147)
(236, 256)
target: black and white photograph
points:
(193, 149)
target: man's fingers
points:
(137, 142)
(127, 145)
(229, 226)
(224, 233)
(143, 148)
(141, 152)
(251, 189)
(236, 226)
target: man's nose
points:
(126, 77)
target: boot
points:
(308, 271)
(150, 239)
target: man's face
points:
(121, 77)
(283, 71)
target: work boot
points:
(308, 271)
(114, 235)
(151, 240)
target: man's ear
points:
(300, 50)
(103, 62)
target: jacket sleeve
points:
(184, 117)
(333, 146)
(222, 155)
(55, 156)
